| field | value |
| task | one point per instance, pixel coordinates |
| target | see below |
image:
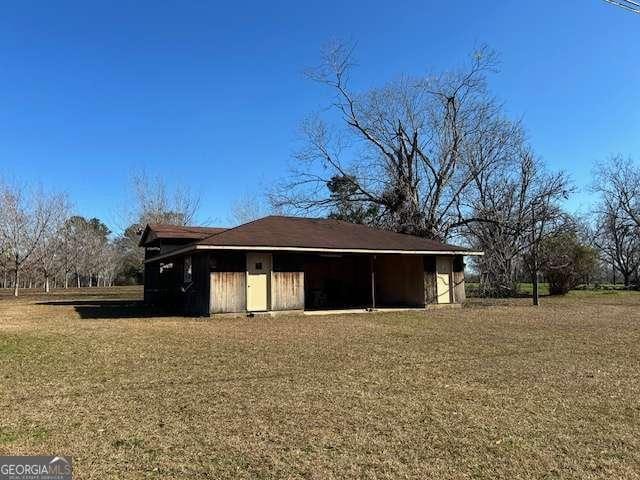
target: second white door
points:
(443, 265)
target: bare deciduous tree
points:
(85, 246)
(617, 228)
(411, 148)
(47, 258)
(618, 182)
(26, 215)
(520, 205)
(616, 239)
(152, 201)
(249, 208)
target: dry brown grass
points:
(489, 391)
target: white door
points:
(258, 272)
(443, 265)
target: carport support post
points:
(373, 283)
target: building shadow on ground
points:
(111, 309)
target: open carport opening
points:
(335, 281)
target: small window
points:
(187, 269)
(259, 266)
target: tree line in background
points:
(43, 244)
(434, 156)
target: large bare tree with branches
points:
(406, 152)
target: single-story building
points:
(282, 263)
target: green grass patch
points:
(7, 437)
(524, 289)
(7, 347)
(128, 443)
(37, 434)
(527, 288)
(42, 346)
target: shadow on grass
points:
(112, 309)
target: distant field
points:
(29, 294)
(527, 288)
(497, 389)
(524, 288)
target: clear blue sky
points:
(209, 94)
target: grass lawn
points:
(495, 390)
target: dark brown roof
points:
(162, 231)
(314, 233)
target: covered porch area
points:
(363, 281)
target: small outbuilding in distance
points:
(281, 264)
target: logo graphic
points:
(35, 468)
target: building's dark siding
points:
(196, 299)
(165, 285)
(228, 262)
(152, 283)
(288, 262)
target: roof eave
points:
(192, 248)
